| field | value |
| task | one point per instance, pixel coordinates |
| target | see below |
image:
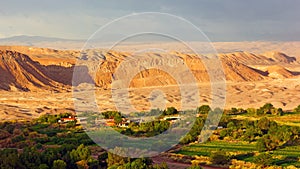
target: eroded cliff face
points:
(18, 71)
(46, 71)
(162, 70)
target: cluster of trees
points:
(65, 156)
(202, 111)
(114, 161)
(267, 109)
(51, 118)
(117, 116)
(193, 134)
(276, 136)
(28, 149)
(44, 144)
(147, 129)
(70, 156)
(23, 134)
(268, 134)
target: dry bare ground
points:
(36, 81)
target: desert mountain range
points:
(289, 47)
(27, 69)
(35, 81)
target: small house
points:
(67, 119)
(110, 122)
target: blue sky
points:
(220, 20)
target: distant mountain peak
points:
(33, 39)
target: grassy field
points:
(243, 151)
(291, 151)
(207, 148)
(290, 118)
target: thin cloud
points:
(230, 20)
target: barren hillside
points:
(36, 81)
(19, 71)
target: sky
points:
(220, 20)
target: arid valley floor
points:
(36, 81)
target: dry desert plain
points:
(35, 81)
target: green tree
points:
(118, 119)
(102, 160)
(280, 134)
(111, 114)
(31, 157)
(260, 145)
(250, 133)
(81, 153)
(187, 139)
(231, 125)
(49, 155)
(204, 109)
(251, 111)
(267, 108)
(59, 164)
(43, 166)
(170, 111)
(194, 132)
(161, 166)
(263, 124)
(280, 112)
(223, 133)
(9, 159)
(39, 146)
(114, 159)
(140, 163)
(269, 142)
(297, 109)
(71, 124)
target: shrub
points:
(194, 167)
(263, 159)
(219, 157)
(260, 145)
(59, 164)
(297, 109)
(170, 111)
(204, 109)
